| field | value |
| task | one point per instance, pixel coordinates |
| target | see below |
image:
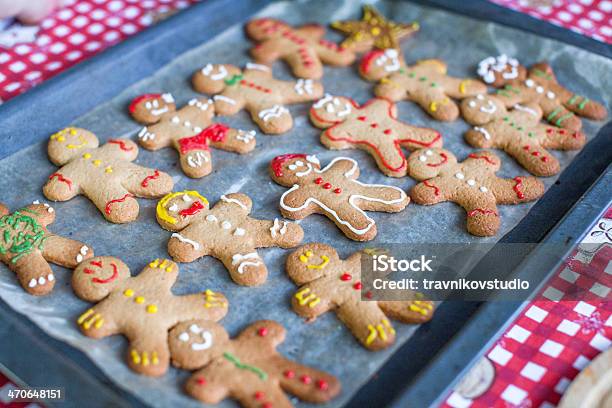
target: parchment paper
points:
(326, 343)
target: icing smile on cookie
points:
(98, 264)
(308, 254)
(429, 153)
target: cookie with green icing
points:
(27, 247)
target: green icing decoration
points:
(573, 99)
(552, 114)
(562, 118)
(21, 234)
(233, 80)
(259, 372)
(583, 103)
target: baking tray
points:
(151, 49)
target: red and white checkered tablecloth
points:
(31, 54)
(592, 18)
(555, 336)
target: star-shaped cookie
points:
(373, 30)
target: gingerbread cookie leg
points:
(368, 324)
(245, 267)
(310, 300)
(462, 88)
(195, 163)
(411, 311)
(438, 105)
(65, 252)
(482, 215)
(114, 202)
(375, 197)
(34, 274)
(277, 233)
(560, 116)
(184, 249)
(148, 354)
(304, 382)
(584, 106)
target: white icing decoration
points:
(36, 202)
(181, 238)
(187, 198)
(32, 283)
(211, 218)
(471, 182)
(313, 159)
(529, 83)
(196, 159)
(175, 120)
(550, 95)
(259, 67)
(422, 158)
(347, 110)
(79, 258)
(50, 277)
(327, 98)
(273, 112)
(239, 232)
(539, 89)
(428, 152)
(525, 109)
(226, 225)
(194, 328)
(484, 131)
(351, 199)
(145, 135)
(480, 97)
(472, 104)
(490, 65)
(243, 260)
(173, 207)
(490, 108)
(208, 342)
(460, 176)
(224, 99)
(305, 172)
(184, 337)
(292, 167)
(483, 189)
(233, 200)
(160, 111)
(245, 135)
(42, 280)
(208, 69)
(167, 97)
(303, 86)
(277, 229)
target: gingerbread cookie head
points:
(500, 70)
(482, 108)
(288, 169)
(214, 78)
(261, 29)
(428, 163)
(95, 278)
(309, 262)
(67, 144)
(377, 64)
(331, 110)
(177, 210)
(149, 108)
(195, 343)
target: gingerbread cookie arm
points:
(306, 383)
(184, 246)
(368, 324)
(560, 139)
(209, 305)
(146, 182)
(413, 137)
(122, 149)
(486, 137)
(558, 115)
(276, 233)
(302, 90)
(61, 186)
(429, 192)
(411, 311)
(265, 334)
(305, 63)
(377, 197)
(581, 105)
(483, 157)
(520, 189)
(295, 206)
(34, 273)
(65, 252)
(460, 88)
(162, 273)
(332, 54)
(157, 136)
(437, 104)
(3, 210)
(267, 52)
(313, 299)
(314, 31)
(235, 202)
(534, 157)
(348, 167)
(235, 140)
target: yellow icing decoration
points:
(135, 357)
(154, 358)
(388, 326)
(152, 309)
(304, 259)
(139, 299)
(312, 298)
(154, 264)
(372, 336)
(128, 293)
(462, 85)
(72, 131)
(77, 146)
(433, 106)
(162, 212)
(87, 155)
(84, 316)
(145, 359)
(212, 300)
(96, 162)
(99, 323)
(381, 332)
(108, 169)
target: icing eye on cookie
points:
(97, 269)
(433, 159)
(331, 108)
(191, 203)
(503, 65)
(298, 165)
(200, 339)
(152, 104)
(214, 72)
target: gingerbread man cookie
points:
(189, 130)
(425, 83)
(518, 132)
(247, 368)
(472, 184)
(372, 127)
(224, 231)
(560, 106)
(27, 247)
(373, 30)
(303, 48)
(330, 283)
(142, 308)
(103, 174)
(334, 192)
(255, 90)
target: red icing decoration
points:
(544, 159)
(374, 125)
(259, 395)
(517, 188)
(480, 211)
(485, 158)
(346, 277)
(318, 180)
(278, 161)
(289, 374)
(145, 181)
(255, 86)
(88, 271)
(367, 60)
(372, 146)
(536, 154)
(387, 131)
(436, 189)
(322, 385)
(327, 186)
(201, 381)
(361, 118)
(337, 190)
(96, 263)
(549, 130)
(575, 135)
(62, 179)
(107, 209)
(263, 332)
(368, 295)
(195, 208)
(444, 160)
(357, 286)
(141, 98)
(216, 133)
(122, 145)
(526, 147)
(110, 278)
(561, 131)
(306, 379)
(266, 405)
